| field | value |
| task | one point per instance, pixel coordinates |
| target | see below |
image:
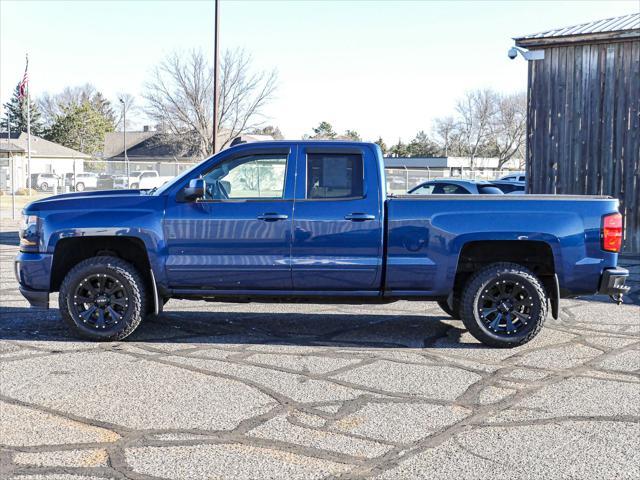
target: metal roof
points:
(614, 24)
(440, 162)
(41, 147)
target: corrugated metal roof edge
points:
(624, 23)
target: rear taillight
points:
(611, 232)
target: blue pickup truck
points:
(311, 221)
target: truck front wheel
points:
(103, 298)
(504, 305)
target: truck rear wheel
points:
(504, 305)
(103, 298)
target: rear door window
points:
(334, 176)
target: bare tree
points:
(445, 130)
(180, 98)
(487, 124)
(243, 94)
(509, 127)
(53, 105)
(476, 111)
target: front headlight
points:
(29, 233)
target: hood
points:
(98, 200)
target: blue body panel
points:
(329, 252)
(96, 214)
(426, 235)
(313, 250)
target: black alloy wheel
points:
(100, 301)
(504, 305)
(103, 298)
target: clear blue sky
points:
(379, 67)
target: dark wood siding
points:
(584, 125)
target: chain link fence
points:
(57, 176)
(401, 180)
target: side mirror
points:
(195, 190)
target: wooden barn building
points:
(584, 114)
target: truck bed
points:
(425, 235)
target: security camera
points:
(526, 54)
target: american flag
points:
(22, 86)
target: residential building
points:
(46, 157)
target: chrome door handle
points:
(359, 217)
(272, 217)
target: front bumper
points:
(37, 299)
(33, 272)
(612, 282)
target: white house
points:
(46, 157)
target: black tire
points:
(518, 297)
(80, 187)
(452, 312)
(134, 186)
(128, 305)
(44, 187)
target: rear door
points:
(338, 219)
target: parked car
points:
(515, 177)
(510, 187)
(105, 181)
(148, 182)
(225, 230)
(45, 181)
(81, 181)
(450, 186)
(143, 179)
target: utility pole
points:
(216, 75)
(124, 139)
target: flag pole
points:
(28, 134)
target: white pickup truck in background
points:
(143, 180)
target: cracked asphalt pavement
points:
(288, 391)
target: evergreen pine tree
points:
(16, 109)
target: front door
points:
(337, 239)
(238, 237)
